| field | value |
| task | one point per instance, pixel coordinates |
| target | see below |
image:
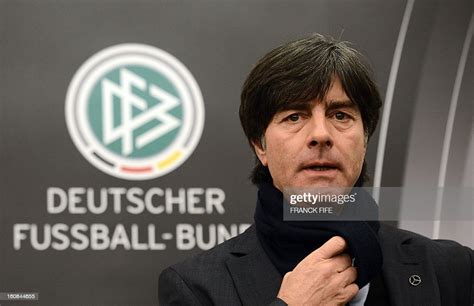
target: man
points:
(308, 109)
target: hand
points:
(324, 277)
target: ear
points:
(260, 152)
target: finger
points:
(346, 277)
(343, 279)
(344, 293)
(350, 292)
(341, 262)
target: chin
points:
(334, 185)
(316, 184)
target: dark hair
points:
(301, 71)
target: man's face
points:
(315, 144)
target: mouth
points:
(321, 167)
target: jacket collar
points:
(256, 279)
(405, 259)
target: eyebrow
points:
(330, 105)
(336, 104)
(297, 105)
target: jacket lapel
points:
(403, 260)
(255, 278)
(257, 281)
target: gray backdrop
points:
(43, 43)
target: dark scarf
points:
(287, 243)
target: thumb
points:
(334, 246)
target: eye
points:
(340, 116)
(293, 117)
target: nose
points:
(318, 133)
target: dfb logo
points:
(134, 111)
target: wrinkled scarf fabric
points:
(287, 243)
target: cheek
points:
(274, 155)
(360, 157)
(280, 160)
(355, 151)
